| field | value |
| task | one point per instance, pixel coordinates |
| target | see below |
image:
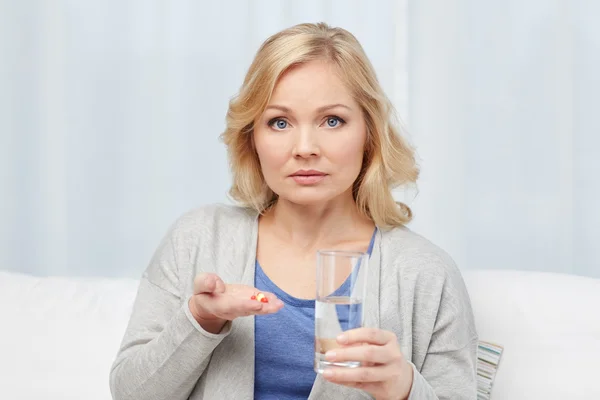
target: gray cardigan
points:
(414, 290)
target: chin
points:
(309, 197)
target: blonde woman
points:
(314, 155)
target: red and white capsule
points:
(260, 296)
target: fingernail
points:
(342, 339)
(328, 373)
(330, 355)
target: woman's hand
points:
(384, 373)
(214, 303)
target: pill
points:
(253, 297)
(264, 300)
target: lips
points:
(309, 172)
(308, 177)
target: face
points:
(311, 138)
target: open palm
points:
(213, 299)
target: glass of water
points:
(341, 287)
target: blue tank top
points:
(284, 345)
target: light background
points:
(110, 114)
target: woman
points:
(314, 156)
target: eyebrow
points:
(320, 109)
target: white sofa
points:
(60, 335)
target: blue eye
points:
(334, 122)
(278, 123)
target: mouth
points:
(308, 177)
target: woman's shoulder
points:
(219, 212)
(429, 281)
(414, 255)
(404, 242)
(212, 221)
(208, 237)
(422, 268)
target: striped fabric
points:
(488, 360)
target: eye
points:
(278, 123)
(334, 122)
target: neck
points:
(309, 226)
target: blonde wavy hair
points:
(388, 160)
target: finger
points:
(271, 306)
(271, 300)
(378, 373)
(271, 303)
(253, 307)
(365, 354)
(230, 308)
(205, 283)
(219, 285)
(366, 335)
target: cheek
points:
(270, 155)
(348, 154)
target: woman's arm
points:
(450, 365)
(164, 351)
(448, 374)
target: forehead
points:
(312, 83)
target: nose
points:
(306, 144)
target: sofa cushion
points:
(60, 335)
(549, 326)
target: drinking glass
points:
(341, 287)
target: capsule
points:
(260, 297)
